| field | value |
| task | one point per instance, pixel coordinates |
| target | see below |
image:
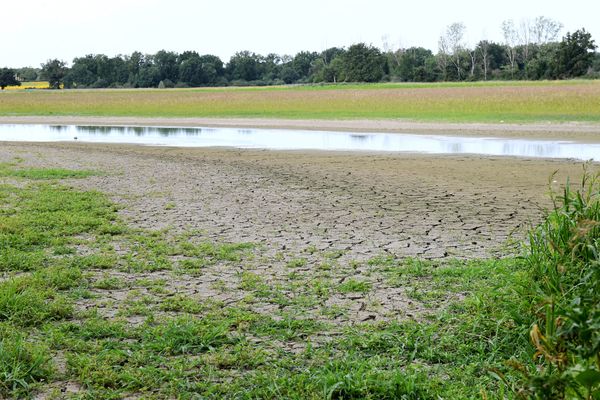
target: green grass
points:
(563, 259)
(493, 102)
(255, 337)
(22, 364)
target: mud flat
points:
(362, 205)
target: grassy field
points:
(491, 102)
(88, 310)
(65, 254)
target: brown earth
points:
(362, 204)
(322, 208)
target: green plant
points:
(21, 364)
(563, 257)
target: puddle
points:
(288, 139)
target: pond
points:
(288, 139)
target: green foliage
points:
(575, 54)
(22, 364)
(186, 335)
(364, 63)
(27, 301)
(54, 71)
(8, 78)
(564, 265)
(354, 286)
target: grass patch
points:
(283, 338)
(45, 174)
(22, 365)
(43, 216)
(354, 286)
(452, 101)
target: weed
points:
(354, 286)
(22, 364)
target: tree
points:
(8, 78)
(453, 43)
(28, 74)
(328, 67)
(244, 65)
(483, 48)
(545, 30)
(511, 41)
(543, 65)
(302, 64)
(416, 65)
(54, 72)
(364, 63)
(575, 54)
(166, 62)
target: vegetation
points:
(8, 78)
(563, 259)
(454, 101)
(530, 51)
(54, 72)
(60, 270)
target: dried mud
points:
(362, 204)
(323, 207)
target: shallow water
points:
(288, 139)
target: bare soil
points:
(320, 207)
(361, 204)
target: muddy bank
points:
(360, 204)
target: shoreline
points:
(573, 131)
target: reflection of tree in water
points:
(191, 131)
(138, 130)
(245, 131)
(454, 147)
(167, 131)
(538, 149)
(58, 128)
(102, 130)
(359, 138)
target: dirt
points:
(324, 207)
(361, 204)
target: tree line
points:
(530, 51)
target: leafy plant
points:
(563, 257)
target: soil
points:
(321, 207)
(361, 204)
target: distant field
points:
(30, 85)
(451, 102)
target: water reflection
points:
(282, 139)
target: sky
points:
(37, 30)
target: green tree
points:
(245, 66)
(416, 64)
(364, 63)
(54, 72)
(166, 62)
(302, 64)
(7, 78)
(543, 64)
(575, 54)
(28, 74)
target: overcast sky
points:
(36, 30)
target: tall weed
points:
(563, 258)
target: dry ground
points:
(363, 205)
